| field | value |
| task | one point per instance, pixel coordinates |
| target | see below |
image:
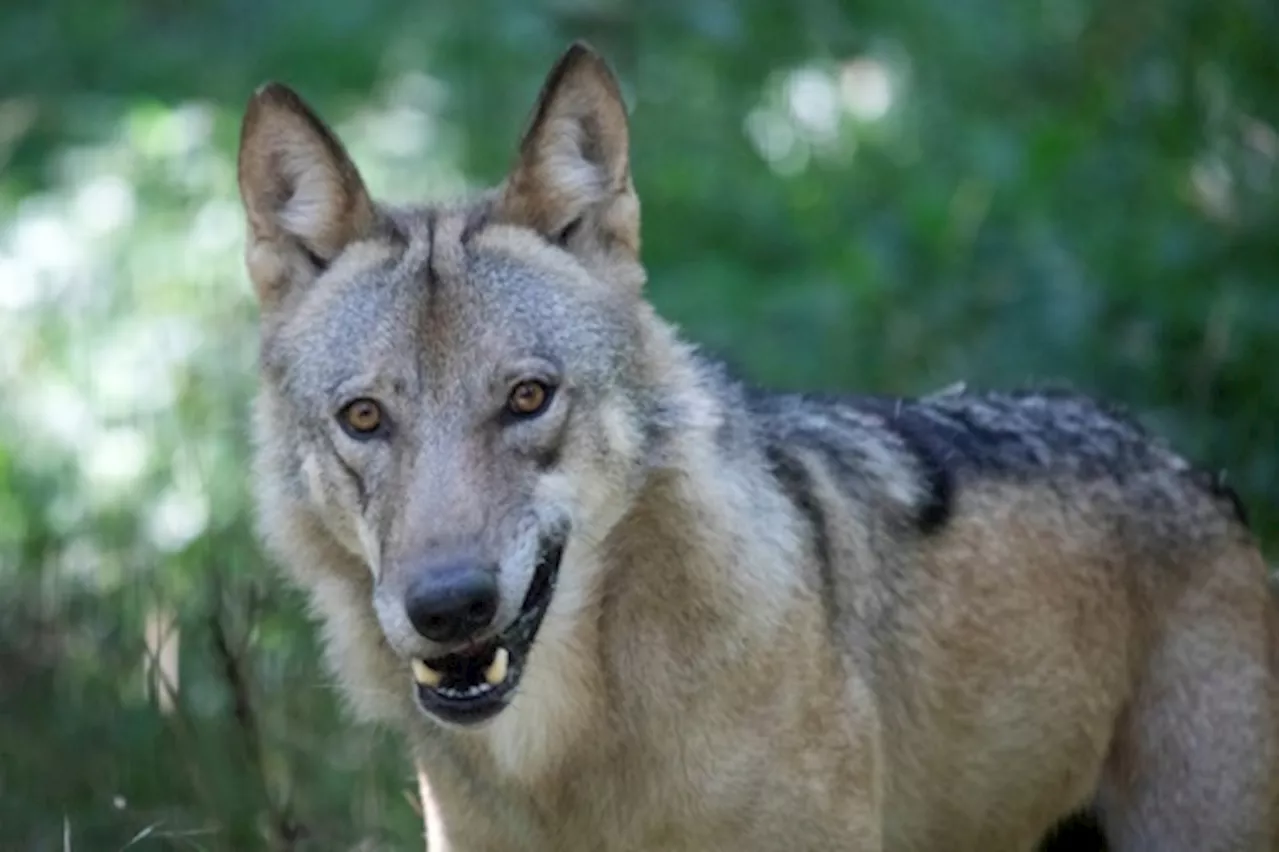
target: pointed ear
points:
(302, 196)
(572, 182)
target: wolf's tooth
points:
(496, 673)
(424, 674)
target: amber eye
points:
(528, 398)
(361, 418)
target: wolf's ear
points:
(572, 182)
(302, 196)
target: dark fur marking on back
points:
(842, 446)
(1051, 436)
(935, 510)
(795, 481)
(925, 447)
(952, 434)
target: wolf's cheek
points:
(621, 432)
(336, 501)
(591, 484)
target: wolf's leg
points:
(1194, 762)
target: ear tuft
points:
(303, 198)
(573, 170)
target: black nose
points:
(453, 601)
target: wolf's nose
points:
(451, 602)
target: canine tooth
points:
(496, 673)
(424, 674)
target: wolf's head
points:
(452, 395)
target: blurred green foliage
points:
(850, 194)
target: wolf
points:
(615, 599)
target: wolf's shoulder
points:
(1026, 432)
(1004, 432)
(947, 440)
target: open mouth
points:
(472, 685)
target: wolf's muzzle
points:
(454, 601)
(473, 684)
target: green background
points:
(882, 196)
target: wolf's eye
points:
(361, 418)
(528, 398)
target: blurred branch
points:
(161, 634)
(284, 830)
(179, 724)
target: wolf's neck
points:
(701, 563)
(710, 503)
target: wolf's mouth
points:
(472, 685)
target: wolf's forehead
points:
(439, 280)
(453, 267)
(452, 299)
